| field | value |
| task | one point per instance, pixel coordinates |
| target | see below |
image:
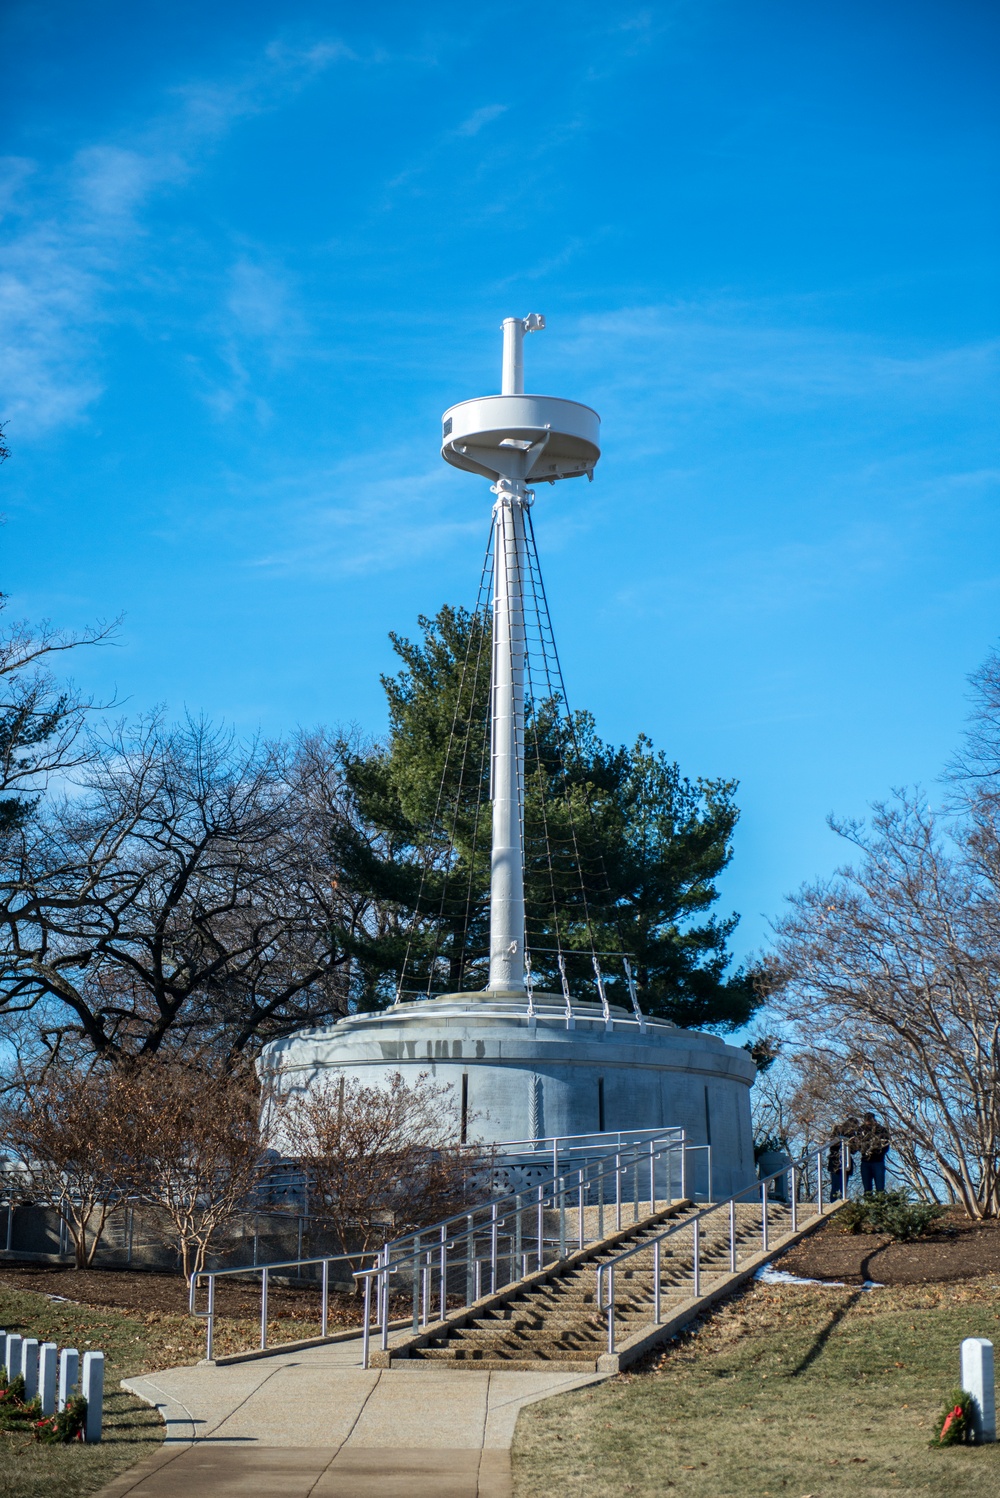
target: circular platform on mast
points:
(558, 439)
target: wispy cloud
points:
(260, 317)
(339, 523)
(68, 236)
(479, 118)
(764, 357)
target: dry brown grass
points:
(784, 1392)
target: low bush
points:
(892, 1212)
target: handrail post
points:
(263, 1311)
(368, 1309)
(384, 1303)
(697, 1257)
(428, 1272)
(417, 1272)
(618, 1192)
(793, 1181)
(711, 1193)
(518, 1249)
(541, 1226)
(684, 1170)
(443, 1270)
(210, 1325)
(652, 1180)
(580, 1208)
(611, 1309)
(561, 1188)
(494, 1248)
(763, 1216)
(732, 1235)
(326, 1297)
(819, 1181)
(656, 1281)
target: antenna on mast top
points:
(514, 329)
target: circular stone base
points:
(516, 1076)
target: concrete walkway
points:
(315, 1423)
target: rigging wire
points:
(565, 864)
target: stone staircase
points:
(550, 1320)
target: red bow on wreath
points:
(955, 1414)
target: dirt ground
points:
(137, 1290)
(958, 1249)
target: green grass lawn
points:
(131, 1429)
(786, 1392)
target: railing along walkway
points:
(601, 1182)
(582, 1309)
(722, 1236)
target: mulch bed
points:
(958, 1249)
(138, 1290)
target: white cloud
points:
(479, 118)
(69, 239)
(341, 522)
(763, 356)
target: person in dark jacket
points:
(835, 1159)
(872, 1142)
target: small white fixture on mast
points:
(514, 439)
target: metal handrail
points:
(510, 1196)
(791, 1170)
(448, 1232)
(432, 1250)
(264, 1271)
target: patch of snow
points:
(771, 1276)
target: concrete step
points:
(515, 1365)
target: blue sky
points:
(250, 252)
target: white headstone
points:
(93, 1392)
(48, 1355)
(977, 1381)
(12, 1358)
(29, 1366)
(69, 1372)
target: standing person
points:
(872, 1141)
(835, 1159)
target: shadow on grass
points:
(824, 1336)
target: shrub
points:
(890, 1212)
(954, 1424)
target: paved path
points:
(315, 1424)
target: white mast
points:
(507, 697)
(512, 438)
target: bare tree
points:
(197, 1145)
(40, 720)
(70, 1133)
(380, 1161)
(889, 974)
(189, 894)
